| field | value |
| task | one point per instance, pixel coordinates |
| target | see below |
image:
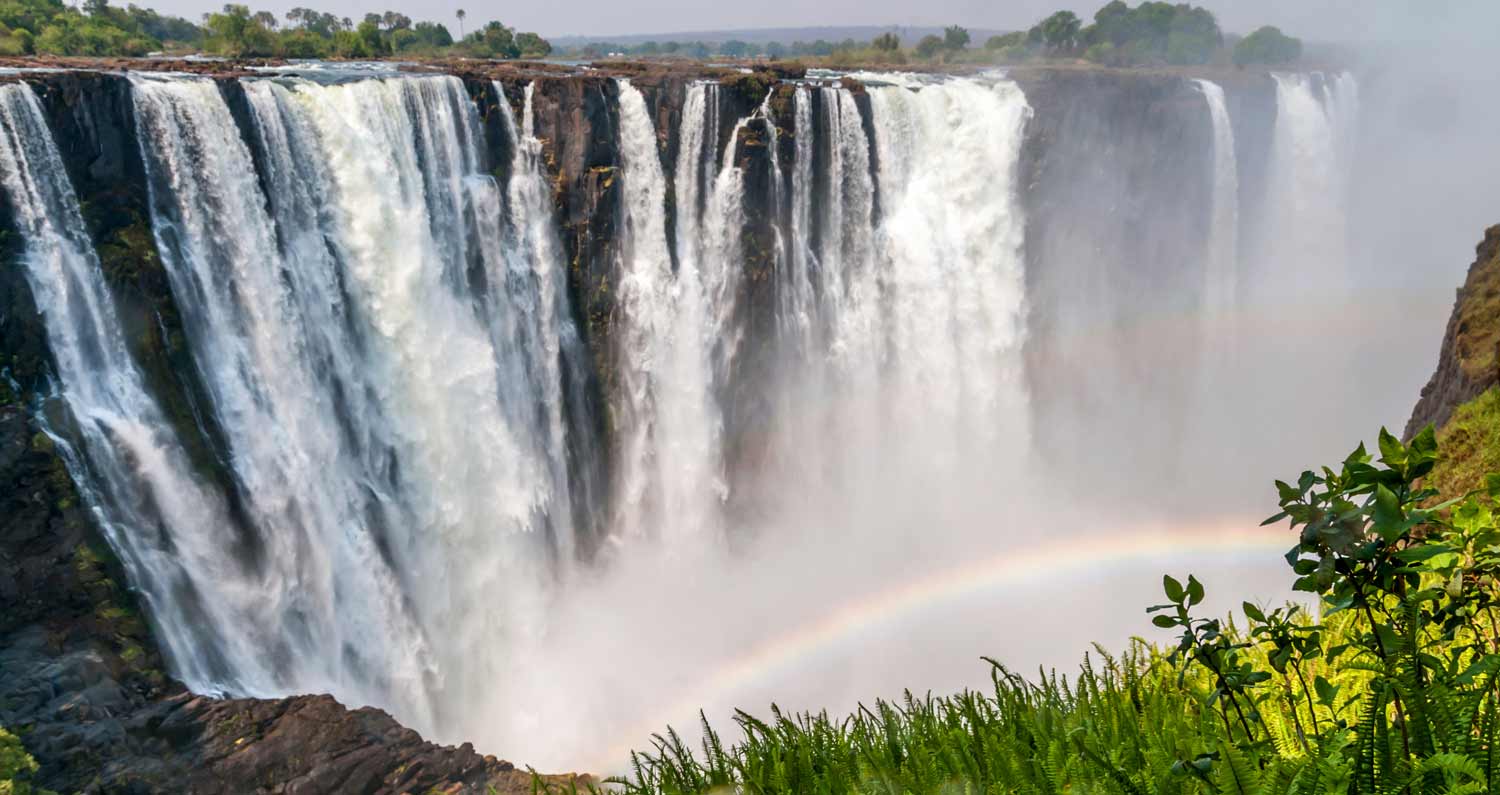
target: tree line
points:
(1150, 33)
(51, 27)
(1120, 35)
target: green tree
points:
(461, 14)
(1059, 31)
(929, 46)
(955, 38)
(887, 42)
(495, 40)
(374, 43)
(237, 33)
(533, 46)
(1267, 45)
(432, 35)
(1014, 39)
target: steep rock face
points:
(1468, 362)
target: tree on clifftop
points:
(1267, 45)
(1058, 32)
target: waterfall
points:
(913, 316)
(669, 467)
(954, 282)
(317, 511)
(797, 308)
(846, 257)
(174, 537)
(384, 348)
(423, 447)
(1220, 274)
(1304, 243)
(561, 374)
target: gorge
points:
(440, 392)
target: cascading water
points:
(560, 373)
(173, 536)
(1220, 276)
(671, 471)
(1304, 242)
(406, 343)
(954, 282)
(299, 482)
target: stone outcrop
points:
(1469, 361)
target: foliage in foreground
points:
(1394, 689)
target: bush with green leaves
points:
(1393, 687)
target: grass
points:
(1470, 445)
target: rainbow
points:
(1008, 569)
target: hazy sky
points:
(1316, 19)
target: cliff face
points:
(1461, 398)
(85, 686)
(1468, 363)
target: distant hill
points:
(909, 35)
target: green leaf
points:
(1387, 516)
(1194, 590)
(1165, 622)
(1425, 442)
(1254, 612)
(1359, 456)
(1325, 689)
(1392, 452)
(1173, 588)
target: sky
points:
(1325, 20)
